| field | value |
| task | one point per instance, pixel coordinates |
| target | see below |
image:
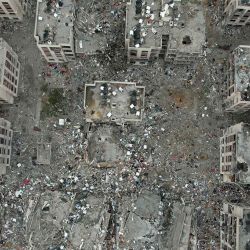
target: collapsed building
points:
(5, 145)
(9, 73)
(238, 80)
(236, 12)
(235, 227)
(164, 29)
(235, 154)
(54, 30)
(13, 9)
(117, 102)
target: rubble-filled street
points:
(75, 184)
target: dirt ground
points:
(175, 149)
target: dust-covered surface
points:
(171, 157)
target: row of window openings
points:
(10, 67)
(9, 85)
(4, 131)
(227, 158)
(5, 142)
(4, 160)
(4, 151)
(10, 77)
(12, 59)
(228, 149)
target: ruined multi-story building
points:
(118, 102)
(238, 80)
(9, 73)
(235, 227)
(5, 145)
(54, 30)
(235, 154)
(13, 9)
(166, 29)
(236, 12)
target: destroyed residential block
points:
(235, 154)
(238, 80)
(5, 145)
(104, 147)
(118, 102)
(9, 73)
(235, 227)
(236, 12)
(43, 153)
(13, 9)
(174, 32)
(54, 30)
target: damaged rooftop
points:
(119, 102)
(242, 71)
(147, 21)
(54, 24)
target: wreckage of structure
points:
(54, 30)
(237, 12)
(235, 154)
(117, 102)
(238, 80)
(235, 227)
(166, 29)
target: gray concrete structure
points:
(158, 28)
(5, 145)
(235, 227)
(235, 154)
(238, 80)
(237, 12)
(13, 9)
(9, 73)
(54, 30)
(118, 102)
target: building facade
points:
(235, 227)
(54, 30)
(235, 154)
(236, 12)
(237, 97)
(13, 9)
(155, 29)
(5, 144)
(9, 73)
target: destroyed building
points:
(5, 145)
(13, 9)
(238, 80)
(90, 31)
(164, 29)
(235, 154)
(9, 73)
(235, 227)
(118, 102)
(236, 12)
(54, 30)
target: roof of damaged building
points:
(118, 102)
(241, 61)
(54, 21)
(148, 21)
(242, 154)
(244, 2)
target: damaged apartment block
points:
(164, 29)
(118, 102)
(9, 73)
(235, 227)
(237, 12)
(238, 80)
(13, 9)
(235, 154)
(5, 145)
(54, 30)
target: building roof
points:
(241, 61)
(244, 2)
(244, 230)
(243, 154)
(148, 20)
(118, 102)
(54, 24)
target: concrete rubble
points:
(149, 184)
